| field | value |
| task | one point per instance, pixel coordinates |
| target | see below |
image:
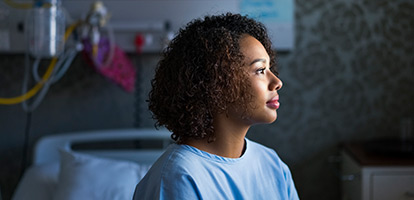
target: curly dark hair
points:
(200, 75)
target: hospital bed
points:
(91, 165)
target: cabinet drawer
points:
(392, 186)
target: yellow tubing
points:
(39, 85)
(19, 5)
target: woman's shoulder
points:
(176, 159)
(170, 174)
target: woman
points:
(216, 79)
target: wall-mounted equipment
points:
(148, 18)
(135, 26)
(46, 27)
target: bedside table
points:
(375, 175)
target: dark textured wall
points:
(350, 77)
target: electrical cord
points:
(34, 90)
(24, 5)
(35, 68)
(68, 60)
(45, 78)
(61, 67)
(27, 128)
(59, 70)
(43, 84)
(38, 98)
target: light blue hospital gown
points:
(185, 172)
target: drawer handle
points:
(349, 177)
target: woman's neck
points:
(229, 141)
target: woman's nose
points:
(275, 83)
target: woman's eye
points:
(261, 70)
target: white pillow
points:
(84, 176)
(38, 182)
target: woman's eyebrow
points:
(258, 60)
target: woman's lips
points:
(274, 103)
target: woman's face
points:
(264, 84)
